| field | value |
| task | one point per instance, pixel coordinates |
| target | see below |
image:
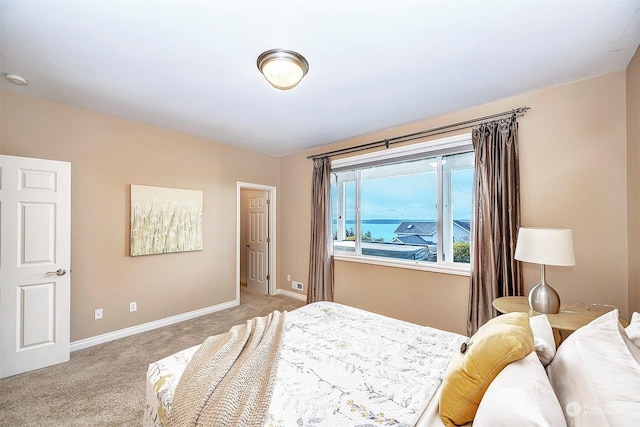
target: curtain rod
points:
(518, 112)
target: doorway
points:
(255, 238)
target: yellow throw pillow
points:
(497, 343)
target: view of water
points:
(379, 228)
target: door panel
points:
(37, 180)
(35, 256)
(37, 323)
(37, 243)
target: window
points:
(408, 205)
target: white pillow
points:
(633, 330)
(596, 375)
(522, 396)
(543, 340)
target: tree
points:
(462, 252)
(349, 234)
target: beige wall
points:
(573, 174)
(294, 221)
(436, 300)
(633, 179)
(107, 156)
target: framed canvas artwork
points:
(165, 220)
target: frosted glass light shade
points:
(283, 69)
(549, 246)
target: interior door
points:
(258, 242)
(35, 257)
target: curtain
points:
(320, 256)
(495, 219)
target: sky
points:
(399, 197)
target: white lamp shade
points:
(549, 246)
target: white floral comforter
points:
(339, 366)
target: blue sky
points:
(411, 197)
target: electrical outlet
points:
(288, 277)
(297, 285)
(133, 306)
(98, 314)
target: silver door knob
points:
(59, 272)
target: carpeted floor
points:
(104, 385)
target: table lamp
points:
(545, 246)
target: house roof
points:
(427, 228)
(410, 240)
(420, 228)
(465, 224)
(191, 66)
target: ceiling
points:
(190, 66)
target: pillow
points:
(596, 375)
(497, 343)
(543, 340)
(633, 330)
(521, 395)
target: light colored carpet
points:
(104, 385)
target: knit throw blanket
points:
(229, 381)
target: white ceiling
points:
(190, 66)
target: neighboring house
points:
(426, 232)
(416, 232)
(461, 230)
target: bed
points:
(342, 366)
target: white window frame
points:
(444, 146)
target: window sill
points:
(458, 270)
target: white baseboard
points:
(295, 295)
(110, 336)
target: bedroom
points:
(591, 125)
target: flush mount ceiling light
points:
(16, 79)
(283, 69)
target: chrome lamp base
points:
(543, 298)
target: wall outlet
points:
(297, 285)
(288, 277)
(98, 314)
(133, 306)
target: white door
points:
(35, 258)
(258, 242)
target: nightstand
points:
(567, 320)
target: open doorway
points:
(255, 238)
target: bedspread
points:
(339, 366)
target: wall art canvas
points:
(165, 220)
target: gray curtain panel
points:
(320, 258)
(495, 221)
